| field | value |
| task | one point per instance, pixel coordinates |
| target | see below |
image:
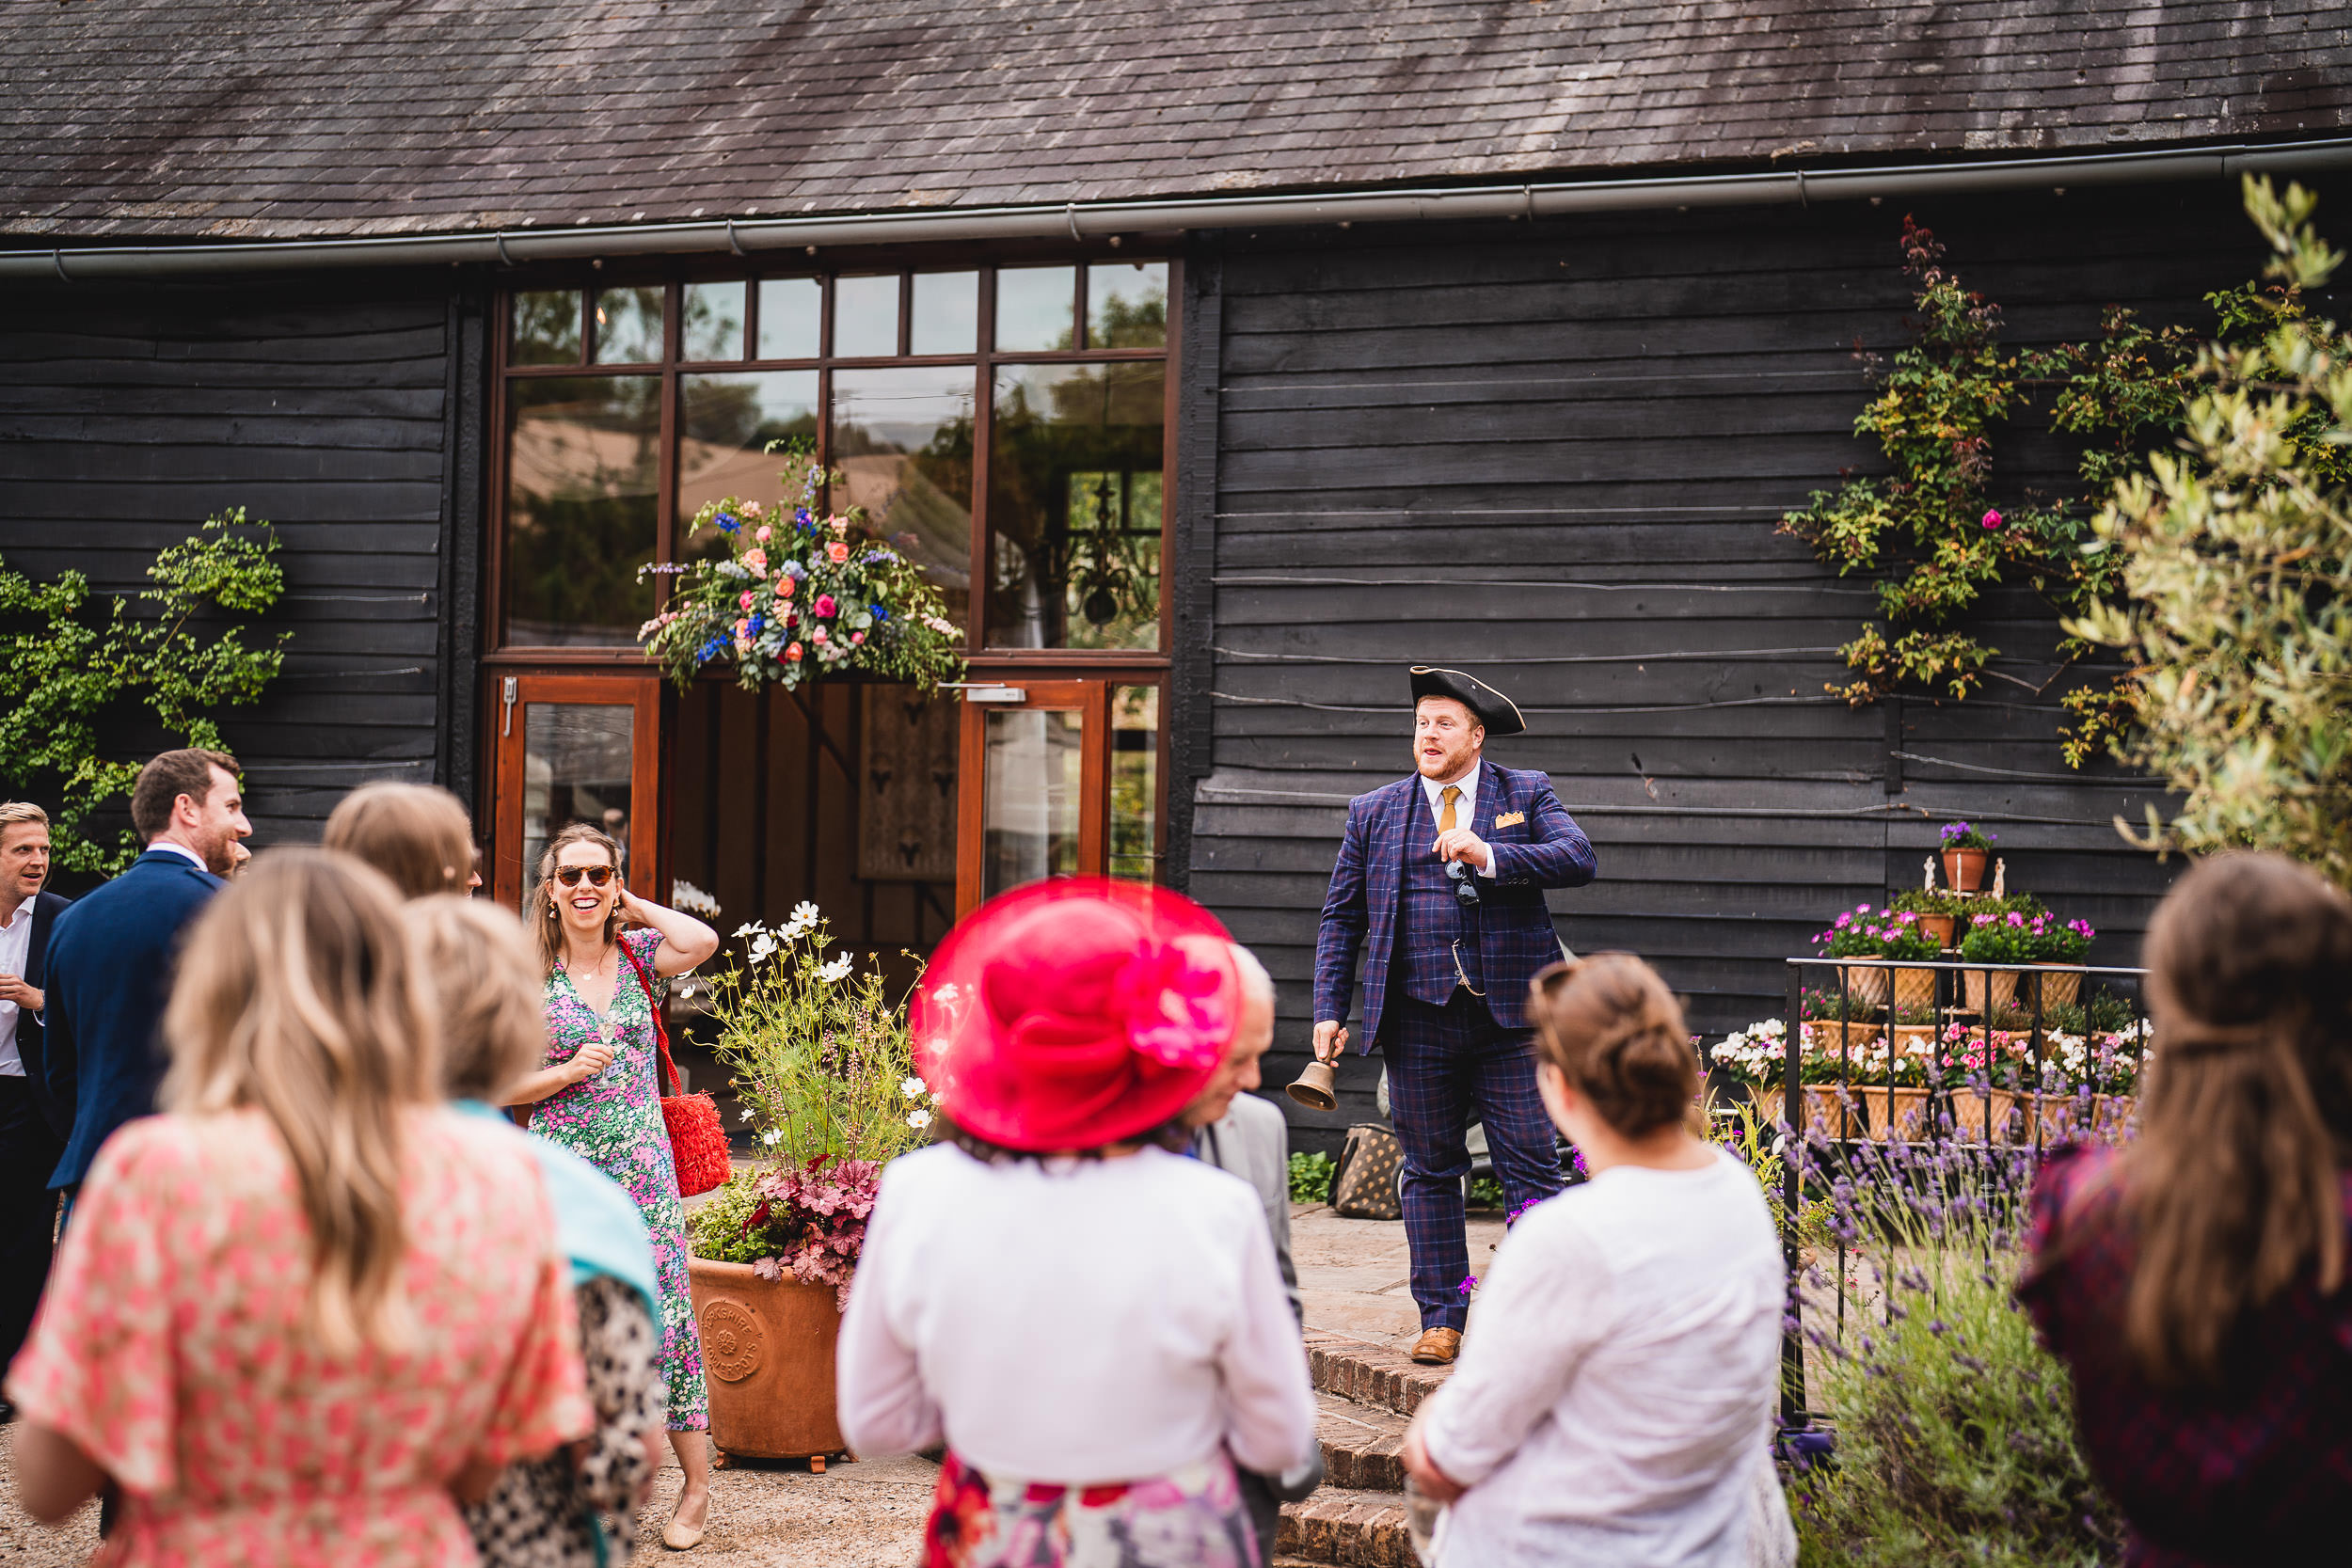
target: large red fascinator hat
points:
(1074, 1013)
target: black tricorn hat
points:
(1493, 709)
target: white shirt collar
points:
(24, 912)
(1434, 792)
(172, 847)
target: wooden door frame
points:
(1091, 699)
(509, 878)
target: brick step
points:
(1360, 1445)
(1361, 1529)
(1369, 1375)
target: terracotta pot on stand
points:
(2001, 983)
(1964, 868)
(1866, 985)
(767, 1348)
(1915, 987)
(2061, 985)
(1940, 927)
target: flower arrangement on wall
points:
(801, 593)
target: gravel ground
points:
(861, 1515)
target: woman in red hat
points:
(1092, 1324)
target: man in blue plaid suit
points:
(1440, 886)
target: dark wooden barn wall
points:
(329, 407)
(1556, 457)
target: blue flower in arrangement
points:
(882, 612)
(726, 520)
(758, 622)
(794, 570)
(710, 650)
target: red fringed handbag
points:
(698, 1141)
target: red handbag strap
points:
(660, 1031)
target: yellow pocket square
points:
(1510, 819)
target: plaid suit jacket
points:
(1543, 848)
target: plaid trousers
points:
(1442, 1063)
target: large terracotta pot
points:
(768, 1360)
(1975, 1114)
(2061, 985)
(1964, 868)
(1865, 985)
(1915, 987)
(1899, 1112)
(1940, 927)
(2001, 982)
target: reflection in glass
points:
(724, 425)
(1035, 763)
(947, 313)
(711, 326)
(582, 453)
(577, 760)
(866, 317)
(1127, 305)
(1135, 782)
(1074, 506)
(547, 328)
(1033, 307)
(629, 326)
(790, 309)
(902, 439)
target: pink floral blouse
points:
(168, 1348)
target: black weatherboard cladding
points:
(128, 417)
(1556, 459)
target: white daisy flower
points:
(747, 1113)
(749, 927)
(763, 947)
(806, 914)
(918, 1119)
(770, 1137)
(836, 972)
(912, 1088)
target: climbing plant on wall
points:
(1938, 530)
(176, 648)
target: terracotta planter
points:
(1940, 927)
(2002, 983)
(1866, 985)
(1915, 987)
(1973, 1115)
(2061, 985)
(1900, 1112)
(768, 1349)
(1822, 1111)
(2112, 1116)
(1964, 868)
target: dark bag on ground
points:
(1363, 1187)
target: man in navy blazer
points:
(1440, 886)
(31, 1125)
(110, 957)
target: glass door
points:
(575, 747)
(1058, 778)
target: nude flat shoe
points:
(685, 1538)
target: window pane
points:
(1135, 782)
(725, 422)
(902, 439)
(947, 313)
(582, 459)
(1033, 307)
(629, 326)
(864, 317)
(790, 309)
(713, 323)
(577, 760)
(1127, 305)
(1035, 763)
(547, 328)
(1074, 506)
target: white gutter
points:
(1076, 220)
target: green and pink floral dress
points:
(614, 1120)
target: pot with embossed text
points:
(768, 1349)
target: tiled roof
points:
(293, 118)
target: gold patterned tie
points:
(1449, 794)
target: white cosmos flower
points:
(912, 1088)
(747, 1113)
(763, 947)
(749, 927)
(918, 1119)
(806, 914)
(944, 994)
(836, 972)
(770, 1137)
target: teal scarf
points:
(596, 1222)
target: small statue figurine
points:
(1929, 885)
(2000, 878)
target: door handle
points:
(506, 723)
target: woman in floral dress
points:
(599, 1095)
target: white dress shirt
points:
(172, 847)
(1077, 1322)
(1464, 810)
(1615, 1391)
(16, 951)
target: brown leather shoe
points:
(1439, 1347)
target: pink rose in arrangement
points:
(743, 627)
(837, 552)
(748, 598)
(792, 653)
(787, 586)
(763, 533)
(818, 637)
(756, 561)
(825, 605)
(856, 638)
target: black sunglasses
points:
(570, 875)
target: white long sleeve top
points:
(1615, 1390)
(1079, 1322)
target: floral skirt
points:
(1192, 1517)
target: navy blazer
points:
(1538, 846)
(110, 958)
(31, 1047)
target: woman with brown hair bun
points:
(417, 835)
(2195, 1280)
(1614, 1400)
(303, 1309)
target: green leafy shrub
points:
(1311, 1178)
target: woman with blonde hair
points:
(2193, 1281)
(417, 835)
(599, 1094)
(306, 1307)
(549, 1512)
(1614, 1400)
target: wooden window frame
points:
(510, 882)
